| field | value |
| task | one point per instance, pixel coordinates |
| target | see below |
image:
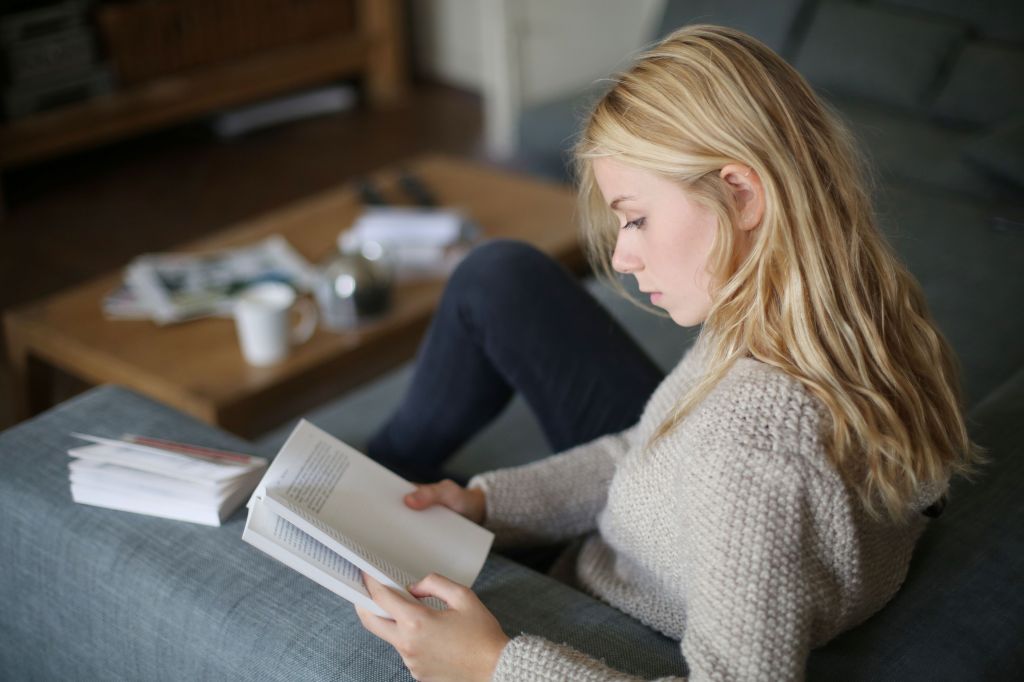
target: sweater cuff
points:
(528, 657)
(498, 519)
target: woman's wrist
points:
(494, 653)
(477, 505)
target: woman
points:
(772, 491)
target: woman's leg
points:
(512, 319)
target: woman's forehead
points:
(621, 183)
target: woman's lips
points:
(655, 297)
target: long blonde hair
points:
(820, 294)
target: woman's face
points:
(664, 240)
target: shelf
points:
(178, 98)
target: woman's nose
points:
(625, 259)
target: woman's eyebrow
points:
(616, 200)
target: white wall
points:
(446, 39)
(518, 53)
(567, 44)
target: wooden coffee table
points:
(197, 366)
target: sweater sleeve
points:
(749, 606)
(534, 658)
(556, 498)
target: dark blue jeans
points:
(513, 320)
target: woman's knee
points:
(505, 269)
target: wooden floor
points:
(76, 217)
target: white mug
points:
(262, 314)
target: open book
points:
(329, 512)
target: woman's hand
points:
(462, 643)
(447, 493)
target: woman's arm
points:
(534, 658)
(752, 595)
(755, 587)
(554, 499)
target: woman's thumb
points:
(436, 585)
(419, 498)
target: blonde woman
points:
(771, 492)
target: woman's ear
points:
(748, 193)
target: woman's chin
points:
(686, 318)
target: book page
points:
(291, 536)
(348, 548)
(297, 550)
(338, 541)
(361, 501)
(318, 475)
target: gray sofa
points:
(92, 594)
(96, 594)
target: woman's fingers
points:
(451, 495)
(469, 503)
(389, 600)
(464, 642)
(382, 627)
(436, 585)
(421, 498)
(446, 493)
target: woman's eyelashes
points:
(639, 222)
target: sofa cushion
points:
(901, 146)
(770, 22)
(986, 86)
(1001, 152)
(876, 53)
(969, 267)
(994, 19)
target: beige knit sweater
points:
(733, 534)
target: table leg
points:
(31, 380)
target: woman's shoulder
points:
(763, 412)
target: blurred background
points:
(137, 125)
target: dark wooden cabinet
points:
(371, 46)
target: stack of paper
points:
(162, 478)
(418, 242)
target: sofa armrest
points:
(91, 593)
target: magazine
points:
(174, 287)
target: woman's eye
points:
(639, 222)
